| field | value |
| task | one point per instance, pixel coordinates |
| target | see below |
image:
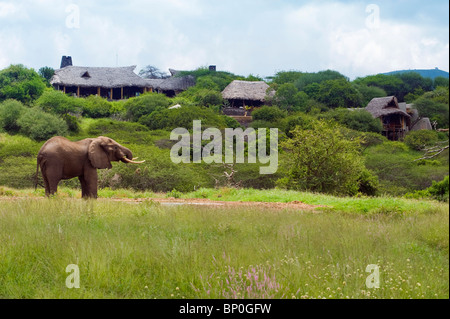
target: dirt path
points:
(207, 202)
(295, 205)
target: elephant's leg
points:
(51, 180)
(83, 186)
(91, 181)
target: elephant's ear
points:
(97, 155)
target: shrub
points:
(368, 183)
(96, 107)
(303, 121)
(39, 125)
(268, 113)
(145, 104)
(359, 120)
(323, 160)
(56, 102)
(231, 122)
(440, 190)
(182, 117)
(418, 140)
(10, 111)
(111, 127)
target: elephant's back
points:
(60, 144)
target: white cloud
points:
(237, 36)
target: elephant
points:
(60, 159)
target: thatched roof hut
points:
(176, 84)
(246, 91)
(385, 106)
(395, 121)
(114, 82)
(103, 77)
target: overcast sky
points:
(259, 37)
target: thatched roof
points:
(422, 124)
(175, 83)
(104, 77)
(383, 106)
(246, 90)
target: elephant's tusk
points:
(131, 161)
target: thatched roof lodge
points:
(396, 122)
(246, 93)
(113, 82)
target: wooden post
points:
(111, 94)
(121, 93)
(78, 91)
(98, 91)
(64, 89)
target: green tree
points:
(283, 77)
(47, 73)
(321, 159)
(337, 93)
(441, 81)
(390, 84)
(368, 92)
(20, 83)
(288, 98)
(319, 77)
(436, 111)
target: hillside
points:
(430, 73)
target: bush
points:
(418, 140)
(359, 120)
(39, 125)
(182, 117)
(96, 107)
(10, 111)
(368, 183)
(303, 121)
(56, 102)
(145, 104)
(268, 113)
(440, 190)
(323, 160)
(111, 127)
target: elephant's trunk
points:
(128, 157)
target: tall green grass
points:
(149, 250)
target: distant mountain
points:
(431, 73)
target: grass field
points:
(150, 250)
